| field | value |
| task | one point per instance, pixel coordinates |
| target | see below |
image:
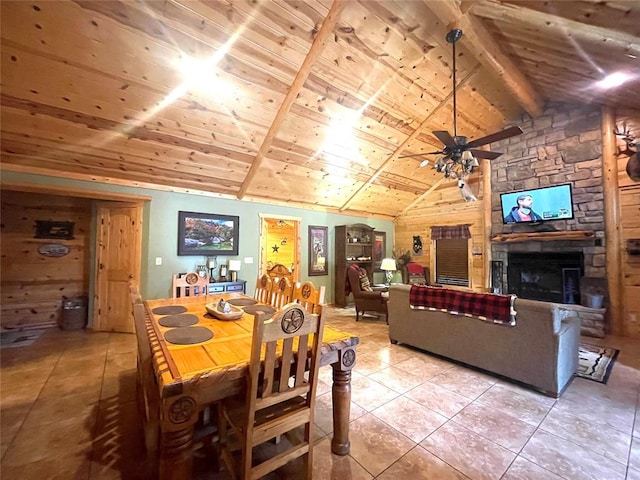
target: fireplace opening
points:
(549, 277)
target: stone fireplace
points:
(556, 261)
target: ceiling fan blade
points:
(445, 138)
(495, 137)
(484, 154)
(421, 154)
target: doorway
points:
(280, 244)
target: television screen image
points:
(537, 205)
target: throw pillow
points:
(364, 283)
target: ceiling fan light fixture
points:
(458, 161)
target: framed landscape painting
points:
(207, 234)
(318, 264)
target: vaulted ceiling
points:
(308, 103)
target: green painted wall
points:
(161, 224)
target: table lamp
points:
(389, 266)
(234, 267)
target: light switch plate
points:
(158, 260)
(248, 259)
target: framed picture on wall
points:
(207, 234)
(318, 250)
(379, 249)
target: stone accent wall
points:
(564, 145)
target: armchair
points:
(365, 300)
(417, 274)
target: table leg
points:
(176, 439)
(341, 396)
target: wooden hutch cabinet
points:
(354, 245)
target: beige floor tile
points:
(599, 438)
(419, 464)
(634, 454)
(368, 364)
(439, 399)
(328, 466)
(122, 343)
(423, 365)
(63, 438)
(516, 403)
(599, 409)
(65, 466)
(396, 379)
(479, 459)
(392, 354)
(49, 410)
(633, 474)
(523, 469)
(505, 430)
(375, 445)
(570, 460)
(464, 381)
(324, 412)
(415, 422)
(370, 394)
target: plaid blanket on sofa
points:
(485, 306)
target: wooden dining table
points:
(191, 377)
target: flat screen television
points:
(537, 205)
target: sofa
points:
(539, 351)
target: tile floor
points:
(68, 411)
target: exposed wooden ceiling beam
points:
(314, 52)
(545, 22)
(421, 197)
(482, 45)
(408, 140)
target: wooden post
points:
(486, 220)
(612, 221)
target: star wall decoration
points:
(275, 248)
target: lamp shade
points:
(234, 265)
(388, 264)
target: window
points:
(452, 261)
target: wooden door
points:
(280, 243)
(118, 258)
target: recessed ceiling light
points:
(613, 80)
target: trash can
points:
(74, 313)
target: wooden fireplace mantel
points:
(542, 236)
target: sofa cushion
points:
(364, 282)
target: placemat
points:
(181, 320)
(242, 301)
(264, 308)
(188, 335)
(169, 310)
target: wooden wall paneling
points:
(419, 222)
(33, 285)
(630, 228)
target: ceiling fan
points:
(459, 157)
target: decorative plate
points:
(191, 278)
(234, 314)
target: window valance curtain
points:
(454, 231)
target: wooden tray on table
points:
(234, 314)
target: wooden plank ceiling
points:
(305, 103)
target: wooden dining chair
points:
(282, 292)
(189, 285)
(148, 393)
(310, 297)
(264, 289)
(148, 396)
(280, 395)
